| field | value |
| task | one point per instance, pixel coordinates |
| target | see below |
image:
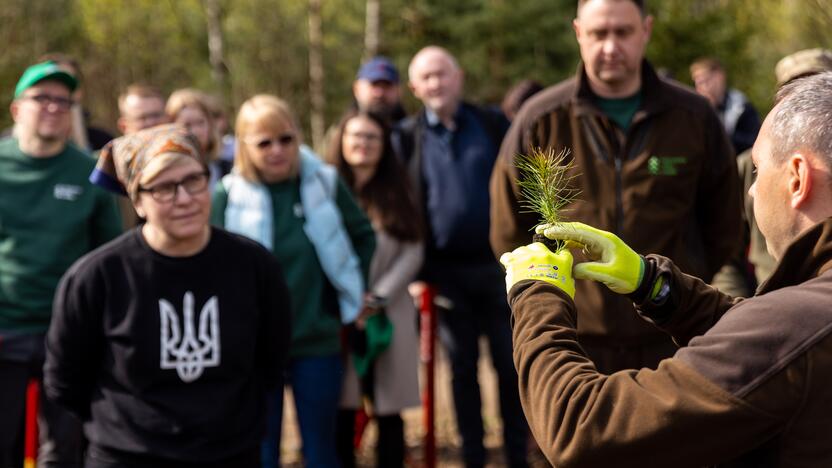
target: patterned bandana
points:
(122, 161)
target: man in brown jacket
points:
(751, 385)
(651, 161)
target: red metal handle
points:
(427, 354)
(30, 447)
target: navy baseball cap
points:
(378, 69)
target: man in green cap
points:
(50, 215)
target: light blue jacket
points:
(249, 212)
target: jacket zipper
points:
(616, 155)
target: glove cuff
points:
(648, 278)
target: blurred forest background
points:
(307, 51)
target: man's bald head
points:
(430, 52)
(640, 4)
(436, 79)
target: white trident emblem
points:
(181, 348)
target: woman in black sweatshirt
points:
(166, 340)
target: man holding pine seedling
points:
(750, 386)
(650, 160)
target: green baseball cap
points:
(48, 70)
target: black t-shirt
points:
(170, 356)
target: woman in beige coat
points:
(364, 156)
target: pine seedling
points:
(545, 186)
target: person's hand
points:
(373, 304)
(614, 263)
(536, 262)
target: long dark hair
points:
(386, 197)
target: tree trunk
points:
(216, 45)
(316, 74)
(372, 37)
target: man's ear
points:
(13, 108)
(800, 179)
(121, 124)
(648, 25)
(577, 28)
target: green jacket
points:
(315, 318)
(50, 215)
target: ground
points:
(447, 439)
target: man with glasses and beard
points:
(50, 215)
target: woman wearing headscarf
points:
(166, 340)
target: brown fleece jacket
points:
(667, 185)
(751, 387)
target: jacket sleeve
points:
(402, 272)
(732, 278)
(358, 227)
(511, 225)
(106, 221)
(748, 126)
(581, 418)
(689, 308)
(719, 199)
(219, 201)
(74, 344)
(275, 330)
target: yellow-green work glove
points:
(536, 262)
(614, 263)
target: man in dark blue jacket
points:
(450, 148)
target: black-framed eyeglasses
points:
(44, 100)
(166, 191)
(285, 139)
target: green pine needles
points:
(545, 185)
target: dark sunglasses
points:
(283, 140)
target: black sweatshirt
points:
(170, 357)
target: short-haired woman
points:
(166, 340)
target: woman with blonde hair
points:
(283, 196)
(150, 331)
(193, 109)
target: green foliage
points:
(498, 42)
(28, 29)
(545, 183)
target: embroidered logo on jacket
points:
(665, 165)
(66, 192)
(194, 344)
